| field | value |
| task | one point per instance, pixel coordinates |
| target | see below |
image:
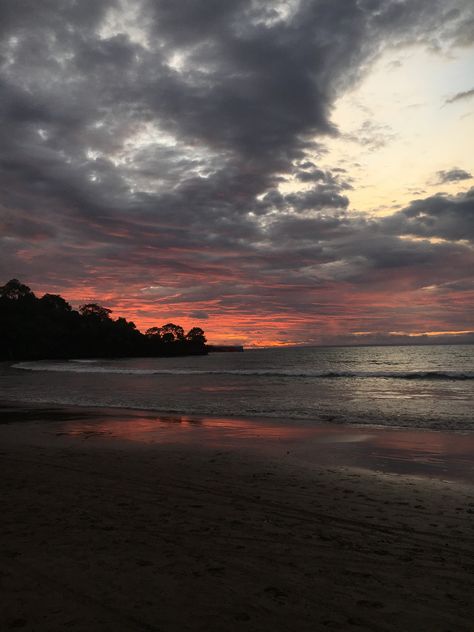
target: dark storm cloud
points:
(318, 197)
(453, 175)
(146, 140)
(19, 15)
(250, 91)
(438, 216)
(309, 172)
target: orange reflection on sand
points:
(391, 450)
(425, 442)
(165, 429)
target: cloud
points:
(371, 135)
(438, 216)
(420, 338)
(147, 146)
(199, 315)
(453, 175)
(460, 96)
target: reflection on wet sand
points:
(425, 453)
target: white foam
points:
(91, 366)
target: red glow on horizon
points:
(342, 313)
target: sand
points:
(105, 533)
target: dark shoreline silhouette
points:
(34, 328)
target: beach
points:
(187, 527)
(236, 316)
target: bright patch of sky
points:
(397, 129)
(126, 18)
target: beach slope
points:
(181, 537)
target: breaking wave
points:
(89, 366)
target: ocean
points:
(389, 386)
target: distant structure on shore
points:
(224, 348)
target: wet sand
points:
(126, 521)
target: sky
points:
(287, 172)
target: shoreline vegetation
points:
(34, 328)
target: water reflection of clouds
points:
(144, 429)
(402, 451)
(347, 438)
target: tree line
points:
(34, 328)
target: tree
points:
(54, 302)
(124, 324)
(196, 336)
(14, 291)
(47, 327)
(95, 311)
(19, 323)
(172, 333)
(153, 333)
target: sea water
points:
(409, 386)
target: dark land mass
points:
(34, 328)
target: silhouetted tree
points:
(32, 328)
(172, 333)
(56, 303)
(15, 291)
(154, 342)
(92, 310)
(18, 320)
(153, 333)
(196, 335)
(196, 339)
(57, 325)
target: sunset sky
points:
(287, 172)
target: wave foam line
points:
(400, 375)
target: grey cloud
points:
(438, 216)
(383, 338)
(16, 15)
(316, 175)
(371, 135)
(199, 315)
(317, 198)
(320, 228)
(465, 284)
(453, 175)
(249, 92)
(162, 154)
(310, 173)
(459, 96)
